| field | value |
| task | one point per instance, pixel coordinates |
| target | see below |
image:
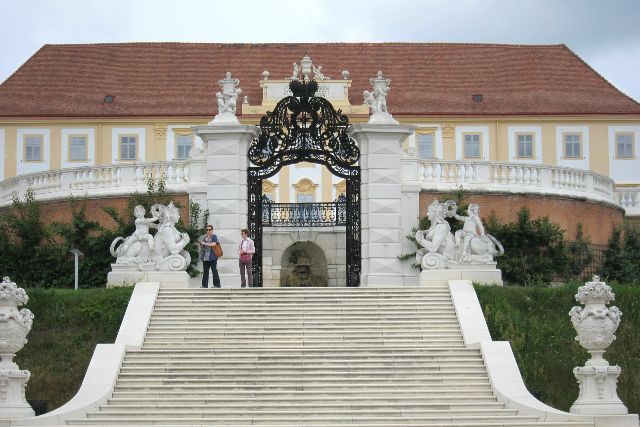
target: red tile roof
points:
(180, 79)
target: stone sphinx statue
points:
(441, 249)
(164, 251)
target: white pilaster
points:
(381, 201)
(225, 148)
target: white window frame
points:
(426, 132)
(464, 145)
(115, 144)
(171, 148)
(66, 162)
(412, 141)
(40, 147)
(512, 140)
(24, 167)
(624, 170)
(617, 145)
(484, 142)
(581, 162)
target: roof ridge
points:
(156, 43)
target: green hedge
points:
(67, 326)
(537, 324)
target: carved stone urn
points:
(596, 325)
(14, 327)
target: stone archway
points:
(304, 264)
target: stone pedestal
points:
(13, 381)
(598, 394)
(226, 146)
(127, 275)
(486, 274)
(381, 201)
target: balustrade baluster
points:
(526, 178)
(180, 174)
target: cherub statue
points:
(133, 247)
(471, 229)
(370, 100)
(317, 73)
(296, 71)
(228, 98)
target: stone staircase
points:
(305, 357)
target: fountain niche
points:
(304, 264)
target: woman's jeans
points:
(214, 273)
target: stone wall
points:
(278, 241)
(598, 220)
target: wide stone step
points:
(299, 340)
(314, 419)
(460, 385)
(414, 351)
(477, 392)
(279, 366)
(304, 374)
(236, 399)
(203, 406)
(260, 335)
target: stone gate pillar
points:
(226, 146)
(381, 200)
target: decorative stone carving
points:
(161, 131)
(162, 252)
(596, 325)
(448, 130)
(442, 250)
(306, 67)
(376, 99)
(265, 75)
(227, 100)
(14, 327)
(305, 185)
(345, 75)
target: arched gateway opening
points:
(305, 128)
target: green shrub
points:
(537, 324)
(37, 256)
(67, 326)
(535, 250)
(622, 258)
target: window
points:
(525, 145)
(33, 148)
(128, 145)
(425, 145)
(305, 198)
(77, 148)
(624, 145)
(305, 191)
(572, 145)
(183, 146)
(471, 145)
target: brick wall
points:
(60, 211)
(598, 220)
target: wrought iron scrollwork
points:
(305, 127)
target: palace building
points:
(511, 125)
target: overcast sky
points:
(606, 34)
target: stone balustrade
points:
(108, 180)
(629, 199)
(442, 175)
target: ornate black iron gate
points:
(305, 127)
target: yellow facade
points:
(156, 137)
